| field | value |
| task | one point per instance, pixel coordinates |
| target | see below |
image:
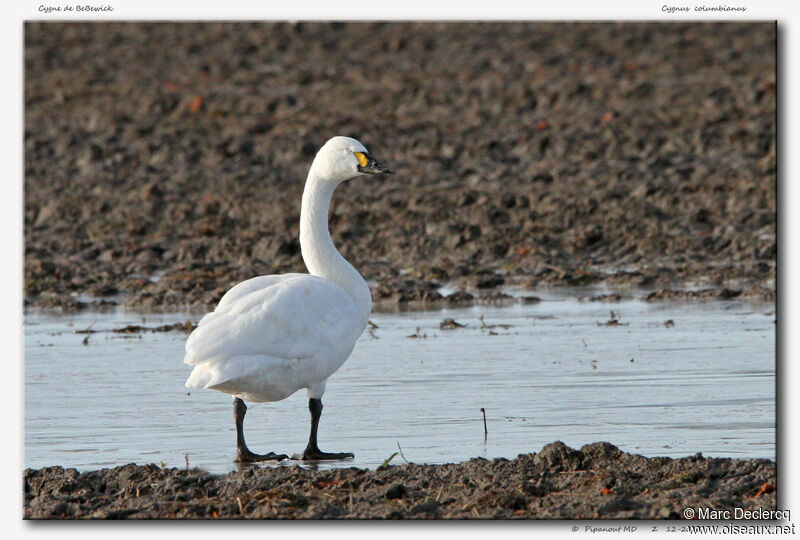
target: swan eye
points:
(362, 159)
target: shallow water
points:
(706, 384)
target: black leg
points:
(312, 450)
(243, 454)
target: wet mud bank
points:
(597, 481)
(634, 155)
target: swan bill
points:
(369, 165)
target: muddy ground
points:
(165, 162)
(597, 481)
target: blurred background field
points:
(164, 162)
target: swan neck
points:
(319, 253)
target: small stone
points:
(490, 282)
(450, 324)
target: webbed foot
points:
(315, 454)
(244, 455)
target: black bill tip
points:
(374, 166)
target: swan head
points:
(343, 158)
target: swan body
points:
(271, 336)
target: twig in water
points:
(417, 334)
(386, 462)
(401, 452)
(612, 321)
(485, 429)
(87, 330)
(489, 327)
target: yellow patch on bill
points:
(362, 159)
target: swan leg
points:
(312, 451)
(243, 454)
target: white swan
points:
(270, 336)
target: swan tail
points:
(253, 378)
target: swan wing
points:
(246, 287)
(289, 317)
